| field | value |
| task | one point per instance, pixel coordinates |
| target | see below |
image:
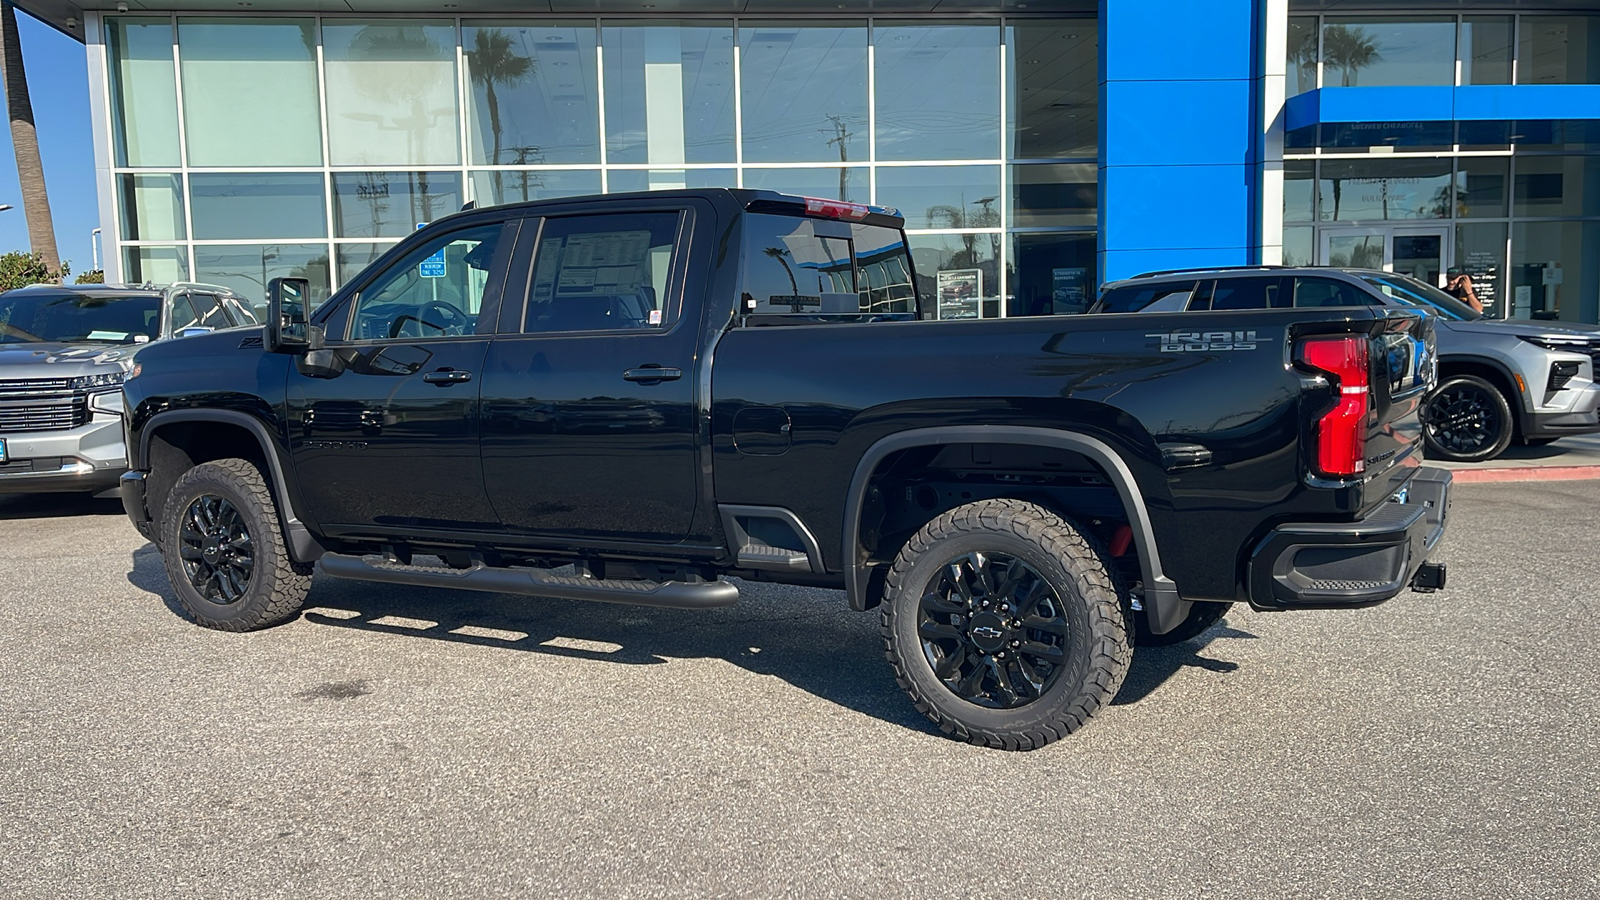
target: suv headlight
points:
(101, 382)
(1564, 344)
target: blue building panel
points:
(1170, 123)
(1178, 207)
(1128, 263)
(1177, 40)
(1442, 103)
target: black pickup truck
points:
(633, 398)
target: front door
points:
(1423, 252)
(589, 422)
(385, 441)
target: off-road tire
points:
(1492, 405)
(1202, 615)
(1096, 648)
(276, 587)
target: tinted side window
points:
(602, 272)
(1327, 292)
(1248, 293)
(1171, 296)
(824, 270)
(436, 290)
(200, 311)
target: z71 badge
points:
(1205, 341)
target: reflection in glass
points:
(1299, 191)
(152, 207)
(1359, 136)
(942, 196)
(1297, 246)
(1388, 50)
(960, 272)
(1302, 62)
(629, 180)
(144, 105)
(391, 204)
(391, 92)
(804, 92)
(1555, 271)
(235, 207)
(834, 182)
(1481, 186)
(937, 90)
(535, 96)
(1559, 50)
(154, 265)
(522, 185)
(1356, 251)
(265, 67)
(1481, 253)
(1486, 49)
(1385, 189)
(353, 258)
(1055, 88)
(1064, 194)
(1571, 135)
(669, 92)
(1557, 186)
(1052, 274)
(246, 268)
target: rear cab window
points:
(800, 269)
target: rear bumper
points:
(1329, 565)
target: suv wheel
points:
(224, 549)
(1468, 420)
(1004, 625)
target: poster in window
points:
(959, 290)
(1069, 291)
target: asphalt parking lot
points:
(402, 742)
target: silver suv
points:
(1499, 380)
(64, 351)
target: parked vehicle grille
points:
(49, 415)
(19, 388)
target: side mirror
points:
(287, 331)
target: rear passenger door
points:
(1241, 293)
(589, 423)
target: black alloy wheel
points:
(216, 548)
(993, 630)
(1468, 420)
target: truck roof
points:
(747, 198)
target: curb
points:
(1525, 473)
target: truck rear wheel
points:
(224, 549)
(1003, 624)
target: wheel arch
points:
(1496, 373)
(1163, 605)
(231, 433)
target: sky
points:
(58, 82)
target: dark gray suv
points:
(1499, 380)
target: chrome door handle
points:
(652, 374)
(445, 377)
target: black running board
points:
(535, 583)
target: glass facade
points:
(1515, 204)
(983, 131)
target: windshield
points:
(1411, 292)
(30, 316)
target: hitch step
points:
(1430, 577)
(535, 583)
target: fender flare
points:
(1162, 603)
(303, 548)
(1518, 401)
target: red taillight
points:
(836, 209)
(1342, 431)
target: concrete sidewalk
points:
(1568, 459)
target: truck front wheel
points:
(224, 549)
(1004, 625)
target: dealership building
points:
(1037, 148)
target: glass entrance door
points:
(1422, 253)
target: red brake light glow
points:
(1342, 431)
(836, 209)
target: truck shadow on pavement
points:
(799, 635)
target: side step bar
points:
(535, 583)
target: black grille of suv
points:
(41, 404)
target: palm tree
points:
(25, 140)
(492, 61)
(1349, 50)
(778, 253)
